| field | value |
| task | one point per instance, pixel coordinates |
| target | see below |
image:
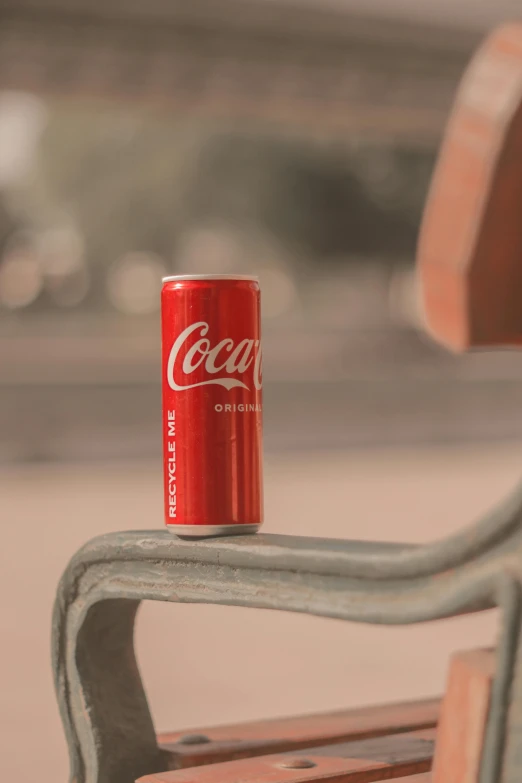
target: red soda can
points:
(212, 404)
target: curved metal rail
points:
(103, 705)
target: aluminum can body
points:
(212, 405)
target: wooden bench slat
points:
(464, 713)
(377, 758)
(246, 740)
(471, 237)
(424, 777)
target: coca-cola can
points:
(212, 404)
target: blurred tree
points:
(314, 199)
(130, 181)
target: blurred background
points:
(293, 140)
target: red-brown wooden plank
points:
(470, 247)
(425, 777)
(245, 740)
(463, 717)
(378, 758)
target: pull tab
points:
(469, 255)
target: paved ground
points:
(324, 389)
(258, 663)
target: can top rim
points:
(173, 278)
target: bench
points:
(469, 262)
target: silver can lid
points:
(174, 278)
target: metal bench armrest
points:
(103, 705)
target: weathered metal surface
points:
(110, 733)
(246, 740)
(471, 239)
(353, 762)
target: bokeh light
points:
(134, 283)
(21, 278)
(66, 276)
(279, 291)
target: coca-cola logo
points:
(221, 360)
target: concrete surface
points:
(217, 664)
